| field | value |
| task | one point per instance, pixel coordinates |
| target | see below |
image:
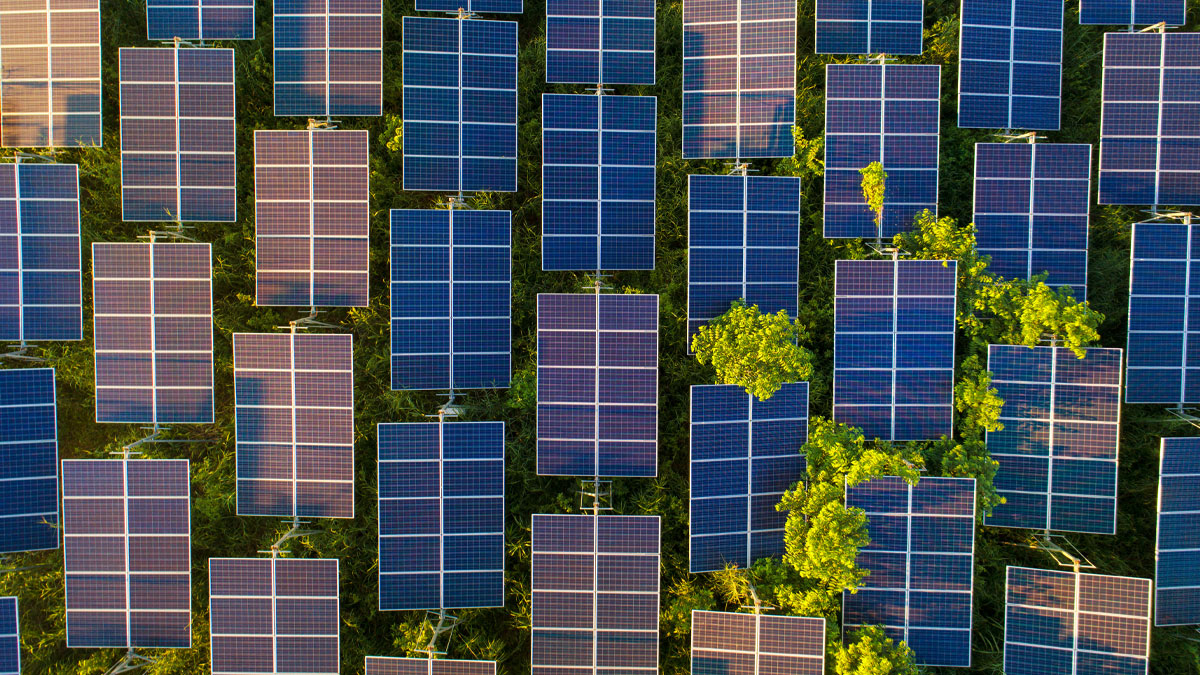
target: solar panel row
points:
(1177, 548)
(387, 665)
(724, 643)
(200, 19)
(870, 26)
(600, 41)
(471, 6)
(10, 637)
(328, 57)
(1132, 12)
(28, 460)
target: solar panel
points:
(921, 561)
(10, 637)
(311, 218)
(274, 615)
(595, 594)
(471, 6)
(739, 102)
(604, 42)
(1148, 134)
(886, 114)
(598, 180)
(386, 665)
(39, 252)
(50, 79)
(200, 19)
(1177, 548)
(177, 135)
(743, 244)
(870, 26)
(1132, 12)
(153, 332)
(893, 347)
(744, 454)
(754, 644)
(441, 515)
(1010, 65)
(460, 105)
(451, 289)
(328, 57)
(28, 461)
(127, 551)
(597, 369)
(1031, 210)
(1067, 622)
(294, 398)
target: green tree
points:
(874, 184)
(757, 351)
(871, 652)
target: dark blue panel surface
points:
(200, 19)
(388, 665)
(328, 57)
(471, 6)
(600, 42)
(1132, 12)
(1177, 549)
(870, 26)
(725, 643)
(28, 460)
(10, 637)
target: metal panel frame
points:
(12, 639)
(1177, 449)
(568, 50)
(330, 68)
(870, 22)
(50, 530)
(1087, 7)
(394, 665)
(200, 7)
(764, 662)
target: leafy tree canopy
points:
(874, 182)
(759, 352)
(872, 652)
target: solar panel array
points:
(724, 643)
(743, 244)
(39, 252)
(294, 403)
(311, 218)
(200, 19)
(598, 178)
(886, 114)
(28, 460)
(328, 57)
(921, 560)
(1010, 65)
(471, 6)
(1132, 12)
(50, 81)
(441, 515)
(387, 665)
(893, 347)
(739, 78)
(1066, 622)
(1031, 210)
(597, 370)
(177, 135)
(274, 615)
(1148, 134)
(451, 289)
(744, 454)
(870, 26)
(153, 332)
(600, 41)
(127, 551)
(595, 594)
(10, 637)
(1177, 548)
(460, 105)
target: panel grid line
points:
(338, 74)
(607, 42)
(854, 27)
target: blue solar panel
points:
(274, 616)
(745, 454)
(28, 460)
(471, 6)
(10, 637)
(1132, 12)
(870, 26)
(460, 105)
(1031, 210)
(1010, 64)
(1148, 130)
(328, 57)
(1065, 622)
(200, 19)
(605, 42)
(294, 402)
(441, 515)
(1177, 548)
(724, 643)
(127, 552)
(597, 368)
(39, 252)
(893, 347)
(451, 285)
(177, 135)
(743, 244)
(595, 594)
(598, 170)
(388, 665)
(739, 102)
(921, 561)
(886, 114)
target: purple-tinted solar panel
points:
(389, 665)
(328, 57)
(724, 643)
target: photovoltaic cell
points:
(1058, 449)
(471, 6)
(893, 347)
(274, 615)
(724, 643)
(739, 78)
(1067, 622)
(311, 218)
(744, 454)
(1031, 210)
(28, 461)
(600, 41)
(451, 289)
(595, 594)
(441, 515)
(598, 170)
(1132, 12)
(921, 560)
(1177, 549)
(294, 398)
(50, 77)
(328, 57)
(153, 332)
(200, 19)
(177, 135)
(39, 252)
(597, 369)
(460, 105)
(387, 665)
(10, 637)
(886, 114)
(1148, 130)
(870, 26)
(127, 552)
